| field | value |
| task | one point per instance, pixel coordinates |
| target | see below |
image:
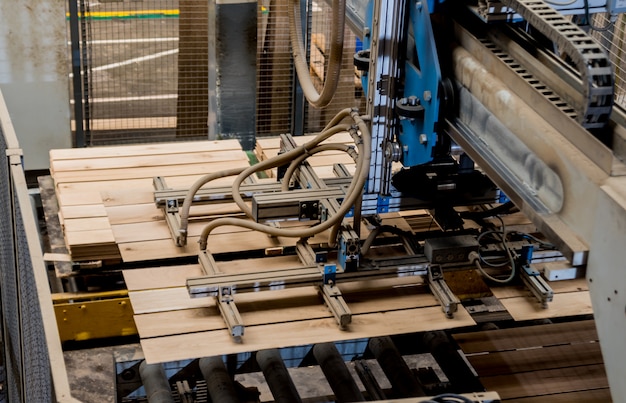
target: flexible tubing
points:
(318, 100)
(191, 193)
(356, 187)
(277, 161)
(295, 164)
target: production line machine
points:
(503, 104)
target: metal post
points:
(393, 365)
(76, 72)
(155, 383)
(219, 383)
(337, 374)
(277, 377)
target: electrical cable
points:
(352, 194)
(318, 100)
(478, 258)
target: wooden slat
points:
(548, 382)
(564, 304)
(151, 160)
(149, 172)
(579, 284)
(527, 337)
(510, 362)
(602, 395)
(143, 149)
(164, 349)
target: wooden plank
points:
(527, 337)
(575, 285)
(566, 304)
(93, 237)
(150, 172)
(160, 277)
(177, 298)
(548, 382)
(152, 160)
(143, 149)
(525, 360)
(293, 305)
(602, 395)
(83, 211)
(146, 212)
(176, 276)
(278, 335)
(86, 224)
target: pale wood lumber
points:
(211, 343)
(512, 291)
(151, 160)
(143, 149)
(564, 304)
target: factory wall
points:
(34, 76)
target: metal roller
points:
(218, 380)
(398, 372)
(337, 374)
(277, 376)
(155, 383)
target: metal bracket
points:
(349, 250)
(336, 304)
(229, 312)
(449, 302)
(537, 285)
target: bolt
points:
(428, 96)
(423, 138)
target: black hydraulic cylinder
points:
(402, 380)
(278, 379)
(445, 352)
(337, 374)
(155, 383)
(219, 383)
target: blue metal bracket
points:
(418, 136)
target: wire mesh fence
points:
(147, 70)
(149, 75)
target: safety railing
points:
(34, 368)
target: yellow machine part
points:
(88, 316)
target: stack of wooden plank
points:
(545, 363)
(105, 195)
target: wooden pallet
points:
(554, 362)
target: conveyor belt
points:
(589, 58)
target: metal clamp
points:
(336, 304)
(449, 302)
(229, 312)
(537, 285)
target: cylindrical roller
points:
(452, 364)
(337, 374)
(155, 383)
(219, 383)
(277, 376)
(403, 382)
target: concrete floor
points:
(91, 373)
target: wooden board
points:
(552, 362)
